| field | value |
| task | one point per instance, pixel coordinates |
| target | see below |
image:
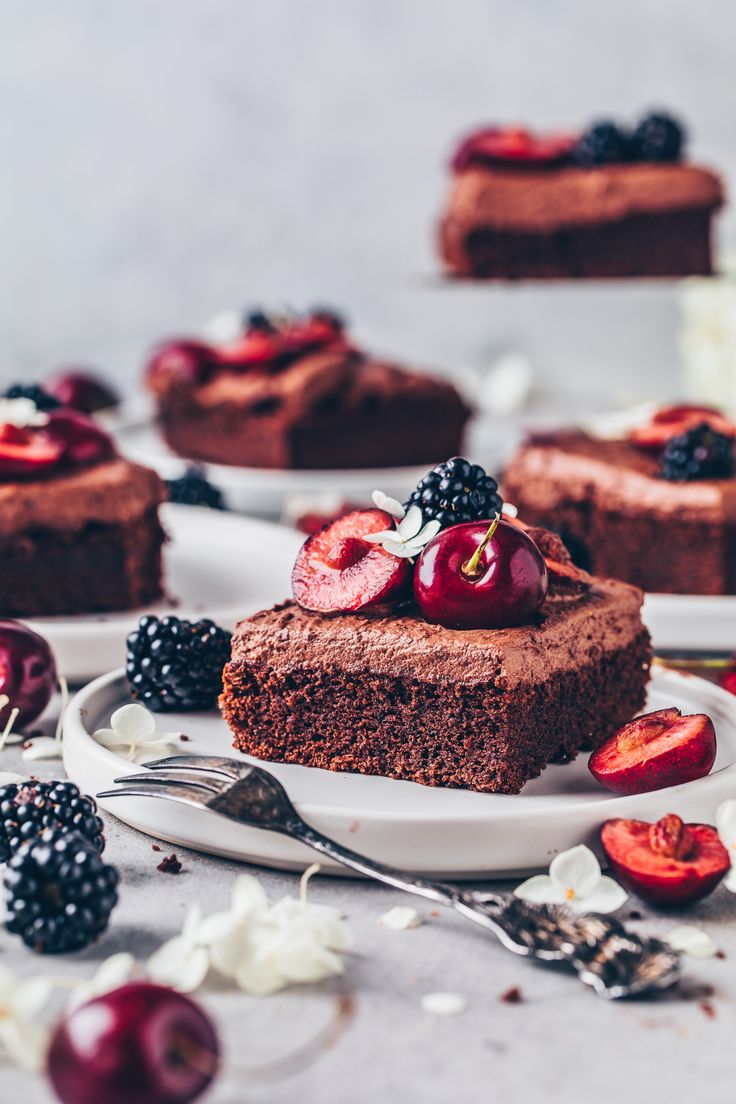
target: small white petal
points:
(109, 738)
(509, 510)
(224, 327)
(606, 897)
(179, 964)
(396, 548)
(25, 1044)
(31, 996)
(400, 918)
(388, 504)
(444, 1004)
(260, 979)
(541, 890)
(692, 941)
(410, 525)
(577, 869)
(248, 895)
(43, 747)
(133, 722)
(428, 532)
(379, 538)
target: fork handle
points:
(440, 892)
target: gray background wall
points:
(161, 159)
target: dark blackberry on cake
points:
(456, 491)
(58, 893)
(27, 809)
(658, 137)
(602, 144)
(41, 398)
(176, 665)
(194, 489)
(700, 453)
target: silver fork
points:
(613, 961)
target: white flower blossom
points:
(726, 825)
(574, 880)
(133, 727)
(691, 941)
(184, 961)
(410, 535)
(22, 1040)
(21, 413)
(400, 918)
(42, 747)
(111, 974)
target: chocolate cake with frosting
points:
(561, 206)
(296, 394)
(355, 676)
(626, 510)
(79, 526)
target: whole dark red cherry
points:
(180, 361)
(480, 575)
(27, 672)
(140, 1044)
(82, 390)
(83, 441)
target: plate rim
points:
(615, 805)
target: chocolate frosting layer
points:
(616, 474)
(606, 618)
(545, 200)
(112, 492)
(308, 383)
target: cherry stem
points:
(472, 566)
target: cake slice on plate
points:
(294, 392)
(79, 526)
(476, 665)
(655, 505)
(602, 204)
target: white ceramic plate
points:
(691, 622)
(263, 491)
(216, 565)
(454, 833)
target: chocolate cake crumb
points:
(708, 1009)
(170, 865)
(513, 995)
(155, 847)
(184, 738)
(636, 915)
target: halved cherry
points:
(671, 421)
(512, 144)
(667, 863)
(654, 751)
(338, 571)
(257, 347)
(80, 438)
(24, 452)
(180, 361)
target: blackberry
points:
(456, 491)
(192, 489)
(173, 664)
(329, 316)
(37, 395)
(701, 453)
(58, 892)
(29, 808)
(658, 137)
(259, 320)
(601, 144)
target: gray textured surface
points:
(560, 1043)
(161, 160)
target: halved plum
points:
(654, 751)
(667, 863)
(338, 571)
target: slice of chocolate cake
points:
(295, 394)
(79, 527)
(656, 508)
(507, 658)
(605, 204)
(483, 709)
